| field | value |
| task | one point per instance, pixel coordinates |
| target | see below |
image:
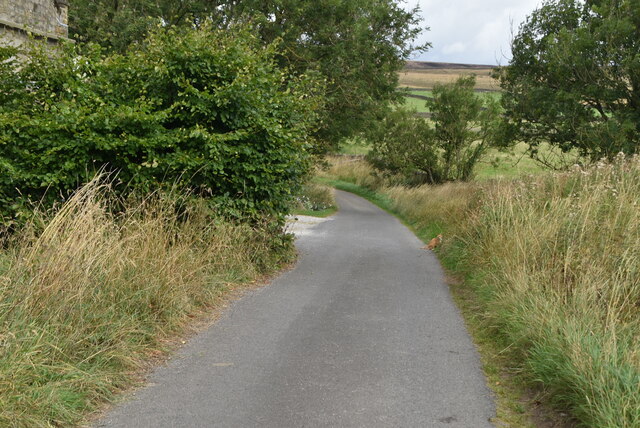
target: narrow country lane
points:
(362, 333)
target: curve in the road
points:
(362, 333)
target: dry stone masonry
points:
(44, 19)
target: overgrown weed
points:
(562, 254)
(86, 293)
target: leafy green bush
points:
(206, 109)
(405, 146)
(409, 146)
(357, 46)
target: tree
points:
(574, 79)
(464, 126)
(357, 46)
(404, 146)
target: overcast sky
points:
(471, 31)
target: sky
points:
(470, 31)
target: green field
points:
(419, 104)
(495, 163)
(507, 163)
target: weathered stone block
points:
(45, 19)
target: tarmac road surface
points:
(362, 333)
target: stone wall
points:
(44, 19)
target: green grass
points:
(316, 213)
(420, 105)
(417, 104)
(516, 162)
(507, 164)
(356, 148)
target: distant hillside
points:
(424, 75)
(426, 65)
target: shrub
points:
(409, 146)
(205, 108)
(315, 197)
(405, 146)
(464, 126)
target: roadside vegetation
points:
(206, 110)
(546, 258)
(192, 145)
(88, 296)
(148, 169)
(143, 175)
(332, 40)
(550, 266)
(315, 200)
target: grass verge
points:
(315, 200)
(86, 295)
(550, 284)
(316, 213)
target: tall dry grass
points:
(561, 256)
(86, 293)
(352, 169)
(555, 259)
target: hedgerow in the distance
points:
(205, 109)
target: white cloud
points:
(454, 48)
(471, 31)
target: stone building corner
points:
(43, 19)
